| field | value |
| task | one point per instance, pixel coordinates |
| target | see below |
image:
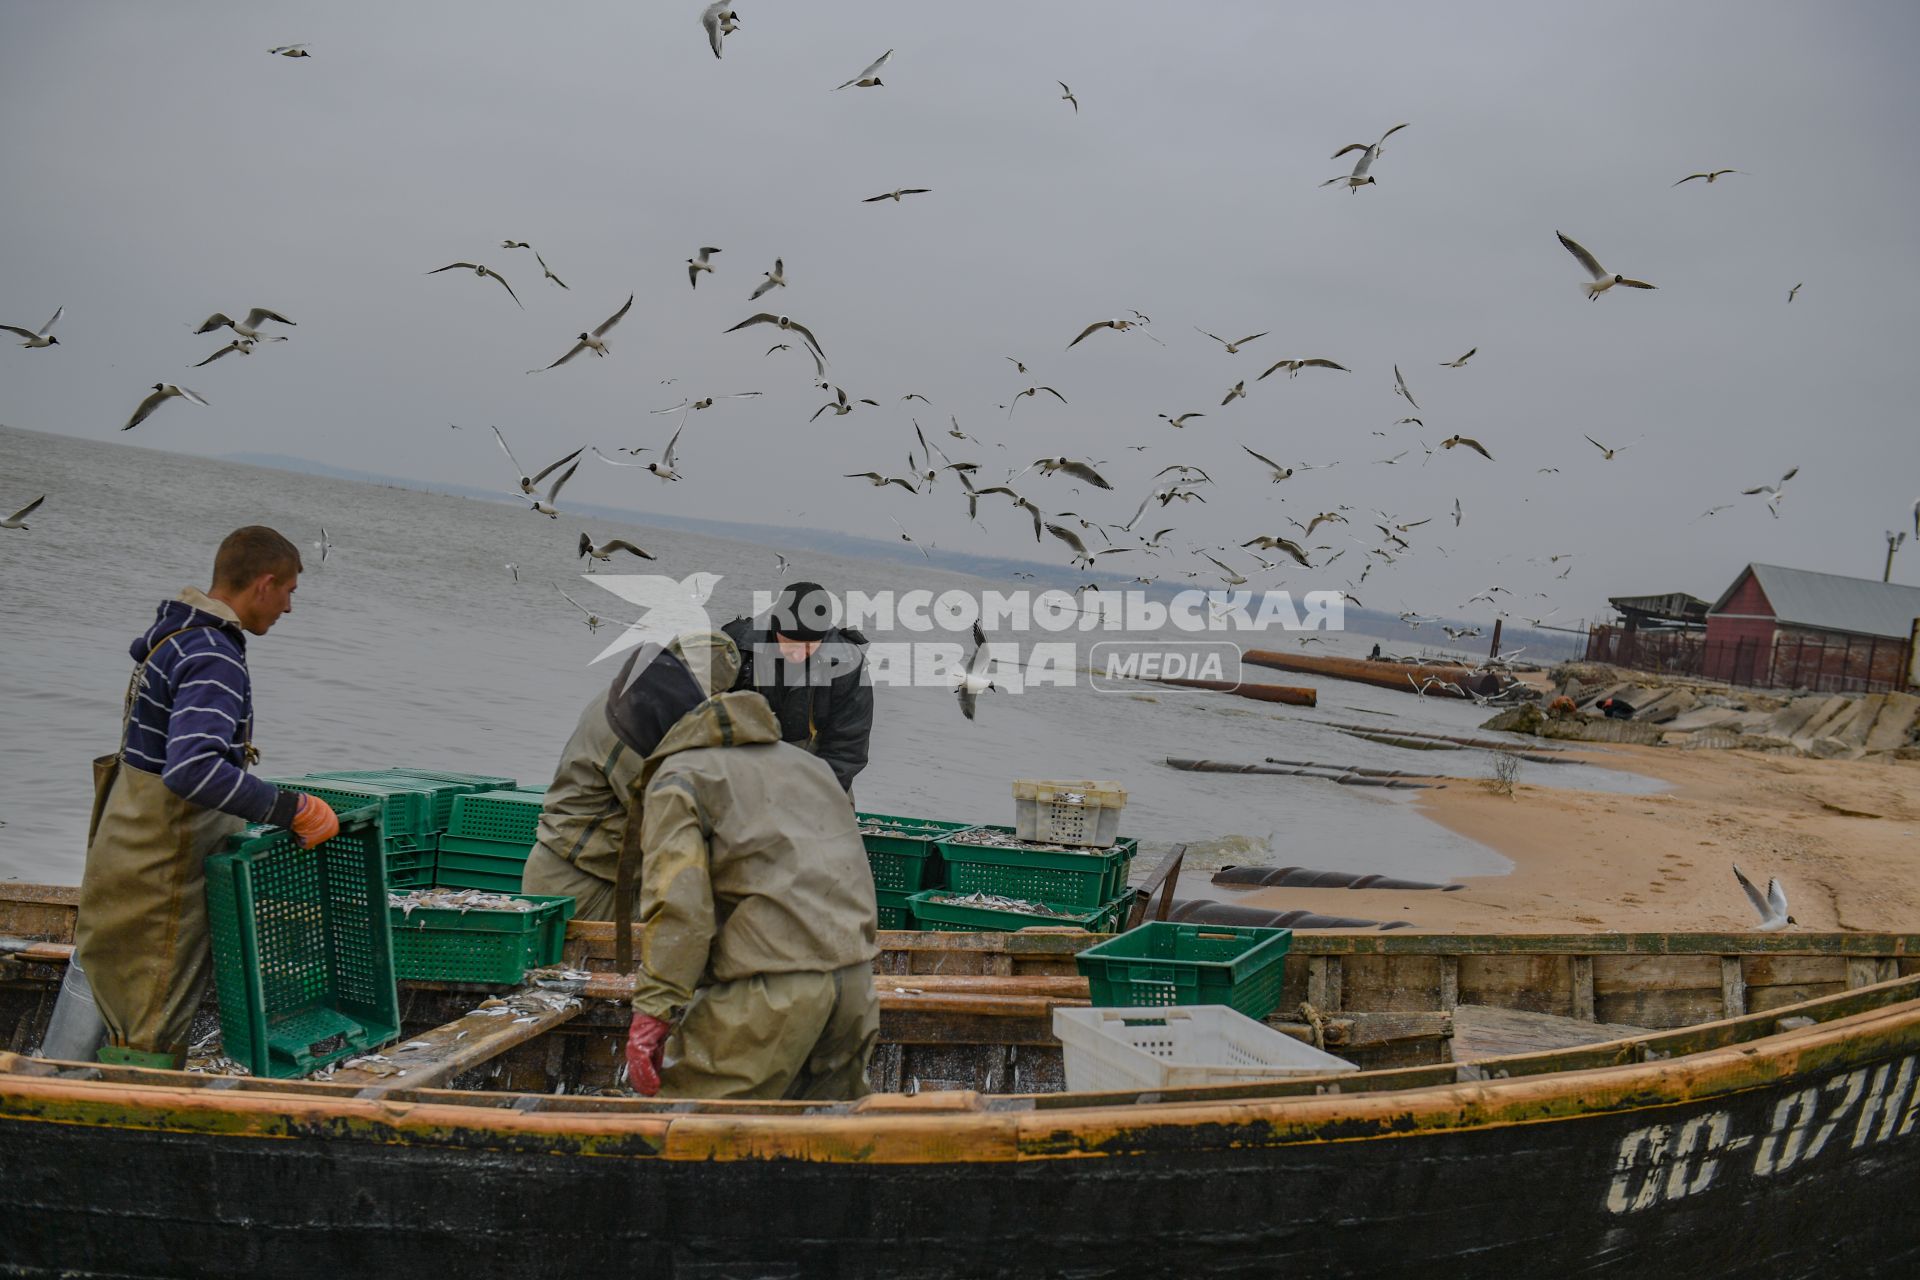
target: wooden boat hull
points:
(1748, 1145)
(1387, 675)
(1773, 1162)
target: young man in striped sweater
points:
(182, 789)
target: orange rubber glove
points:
(646, 1043)
(314, 822)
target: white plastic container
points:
(1179, 1047)
(1083, 813)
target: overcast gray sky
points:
(159, 165)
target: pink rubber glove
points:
(314, 822)
(646, 1042)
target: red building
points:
(1792, 628)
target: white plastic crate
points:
(1083, 813)
(1181, 1047)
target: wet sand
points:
(1843, 836)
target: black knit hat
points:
(804, 611)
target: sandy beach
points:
(1842, 835)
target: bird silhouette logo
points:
(669, 607)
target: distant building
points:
(1794, 628)
(1774, 627)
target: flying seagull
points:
(483, 271)
(767, 317)
(242, 345)
(1238, 391)
(703, 263)
(1288, 545)
(18, 520)
(605, 551)
(549, 270)
(250, 327)
(840, 405)
(1034, 391)
(1774, 492)
(1182, 420)
(291, 51)
(1233, 348)
(1602, 279)
(1711, 176)
(1794, 290)
(1293, 367)
(162, 392)
(1279, 472)
(867, 79)
(1460, 363)
(1470, 443)
(545, 506)
(592, 341)
(776, 279)
(908, 538)
(530, 484)
(1078, 470)
(1117, 325)
(43, 338)
(1772, 907)
(1066, 95)
(593, 619)
(325, 545)
(895, 194)
(1082, 558)
(879, 481)
(1400, 388)
(1369, 152)
(719, 19)
(664, 467)
(1606, 453)
(975, 680)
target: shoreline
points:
(1841, 835)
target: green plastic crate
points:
(948, 917)
(1086, 879)
(1163, 963)
(302, 952)
(444, 944)
(406, 809)
(910, 860)
(895, 911)
(440, 790)
(464, 849)
(512, 817)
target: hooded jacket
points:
(831, 717)
(192, 714)
(752, 861)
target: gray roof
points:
(1830, 602)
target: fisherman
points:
(583, 821)
(179, 789)
(757, 911)
(813, 674)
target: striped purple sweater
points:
(193, 716)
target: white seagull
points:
(776, 279)
(1774, 492)
(592, 341)
(867, 79)
(1066, 95)
(243, 346)
(485, 272)
(719, 20)
(1233, 348)
(696, 265)
(545, 506)
(250, 327)
(784, 322)
(549, 270)
(530, 484)
(1293, 367)
(1078, 470)
(1605, 453)
(1603, 280)
(1369, 152)
(975, 680)
(1772, 907)
(1400, 388)
(593, 619)
(291, 51)
(43, 338)
(18, 520)
(604, 551)
(325, 544)
(162, 392)
(1712, 176)
(1461, 363)
(1279, 472)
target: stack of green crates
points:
(1164, 963)
(497, 946)
(1089, 879)
(905, 859)
(408, 816)
(488, 838)
(302, 950)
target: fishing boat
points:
(1687, 1104)
(1429, 679)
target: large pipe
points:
(1345, 777)
(1409, 677)
(1292, 695)
(1308, 878)
(1207, 911)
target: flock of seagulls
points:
(1322, 539)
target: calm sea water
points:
(412, 644)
